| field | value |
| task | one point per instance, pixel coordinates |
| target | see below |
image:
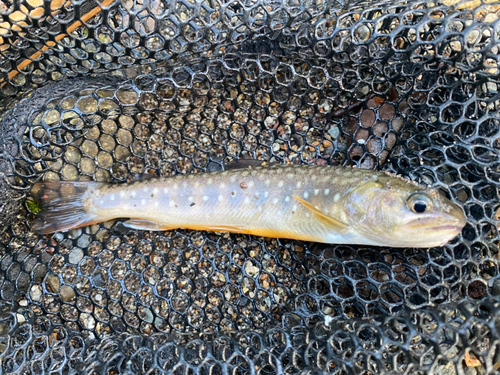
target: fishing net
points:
(105, 90)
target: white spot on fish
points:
(287, 199)
(316, 191)
(165, 191)
(157, 203)
(294, 208)
(210, 180)
(222, 185)
(336, 197)
(155, 191)
(143, 202)
(133, 193)
(101, 202)
(171, 203)
(205, 198)
(307, 214)
(122, 194)
(327, 191)
(280, 184)
(247, 200)
(299, 184)
(268, 182)
(250, 183)
(306, 195)
(221, 198)
(112, 197)
(233, 178)
(266, 194)
(275, 201)
(190, 199)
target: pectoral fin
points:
(142, 224)
(337, 225)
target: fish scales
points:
(310, 203)
(256, 201)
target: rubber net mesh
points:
(104, 90)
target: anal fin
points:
(337, 225)
(143, 224)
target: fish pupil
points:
(419, 207)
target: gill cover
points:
(358, 205)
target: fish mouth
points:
(445, 227)
(447, 224)
(432, 233)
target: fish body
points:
(311, 203)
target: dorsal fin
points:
(142, 177)
(247, 163)
(338, 225)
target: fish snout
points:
(459, 216)
(452, 221)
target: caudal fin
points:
(65, 205)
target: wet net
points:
(104, 90)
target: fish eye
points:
(419, 203)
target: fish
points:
(326, 204)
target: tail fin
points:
(65, 205)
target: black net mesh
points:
(104, 90)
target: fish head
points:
(395, 212)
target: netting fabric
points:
(105, 90)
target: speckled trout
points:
(311, 203)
